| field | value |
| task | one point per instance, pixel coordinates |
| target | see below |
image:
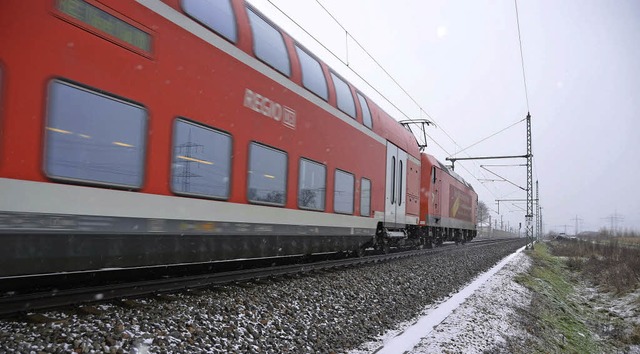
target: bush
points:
(575, 263)
(607, 262)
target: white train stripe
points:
(45, 197)
(450, 223)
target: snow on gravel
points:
(474, 320)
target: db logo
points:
(289, 117)
(269, 108)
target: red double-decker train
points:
(148, 132)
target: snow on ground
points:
(624, 307)
(476, 319)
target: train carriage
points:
(138, 133)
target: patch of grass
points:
(556, 320)
(608, 263)
(634, 337)
(630, 240)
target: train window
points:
(201, 163)
(93, 137)
(268, 44)
(311, 185)
(365, 197)
(401, 179)
(393, 180)
(217, 15)
(345, 99)
(343, 193)
(312, 75)
(267, 175)
(366, 114)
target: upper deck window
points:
(94, 138)
(366, 114)
(268, 44)
(345, 99)
(312, 75)
(201, 161)
(216, 14)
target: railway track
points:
(27, 300)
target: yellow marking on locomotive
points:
(455, 207)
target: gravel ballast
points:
(320, 312)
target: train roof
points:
(435, 162)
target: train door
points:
(437, 184)
(396, 186)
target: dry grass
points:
(611, 263)
(630, 241)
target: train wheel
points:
(386, 248)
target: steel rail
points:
(16, 304)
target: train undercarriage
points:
(419, 237)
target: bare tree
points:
(307, 198)
(483, 212)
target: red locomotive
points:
(148, 132)
(448, 202)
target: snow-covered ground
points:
(476, 319)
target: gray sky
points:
(460, 61)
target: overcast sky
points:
(460, 61)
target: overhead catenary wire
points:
(338, 58)
(490, 136)
(346, 63)
(376, 62)
(526, 92)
